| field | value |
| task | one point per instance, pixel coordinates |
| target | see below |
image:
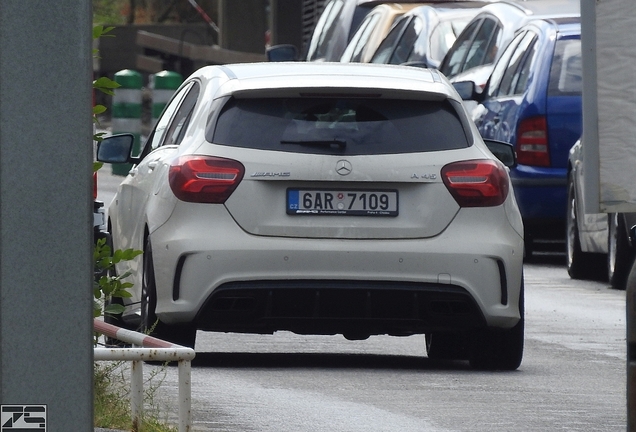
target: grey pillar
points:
(243, 25)
(286, 23)
(45, 212)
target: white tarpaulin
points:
(609, 103)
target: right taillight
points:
(532, 142)
(204, 179)
(477, 183)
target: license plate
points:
(342, 202)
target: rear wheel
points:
(619, 253)
(580, 265)
(181, 334)
(499, 349)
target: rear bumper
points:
(225, 279)
(541, 194)
(356, 309)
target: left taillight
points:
(532, 142)
(477, 183)
(205, 179)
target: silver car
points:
(598, 245)
(323, 198)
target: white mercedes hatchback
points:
(322, 198)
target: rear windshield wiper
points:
(326, 143)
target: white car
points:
(323, 198)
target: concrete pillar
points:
(243, 25)
(46, 154)
(286, 23)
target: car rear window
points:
(348, 126)
(566, 73)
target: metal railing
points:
(150, 349)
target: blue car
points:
(533, 101)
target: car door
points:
(145, 178)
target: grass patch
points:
(111, 397)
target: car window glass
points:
(443, 37)
(159, 132)
(481, 49)
(521, 80)
(453, 60)
(354, 50)
(509, 78)
(181, 119)
(359, 13)
(566, 75)
(324, 30)
(405, 45)
(339, 125)
(383, 53)
(502, 65)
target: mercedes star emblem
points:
(343, 167)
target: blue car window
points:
(566, 77)
(512, 72)
(501, 67)
(521, 80)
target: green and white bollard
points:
(126, 112)
(163, 85)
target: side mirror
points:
(281, 53)
(116, 148)
(503, 151)
(466, 90)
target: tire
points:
(446, 346)
(181, 334)
(580, 265)
(619, 254)
(499, 349)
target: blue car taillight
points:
(532, 142)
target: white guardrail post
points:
(151, 349)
